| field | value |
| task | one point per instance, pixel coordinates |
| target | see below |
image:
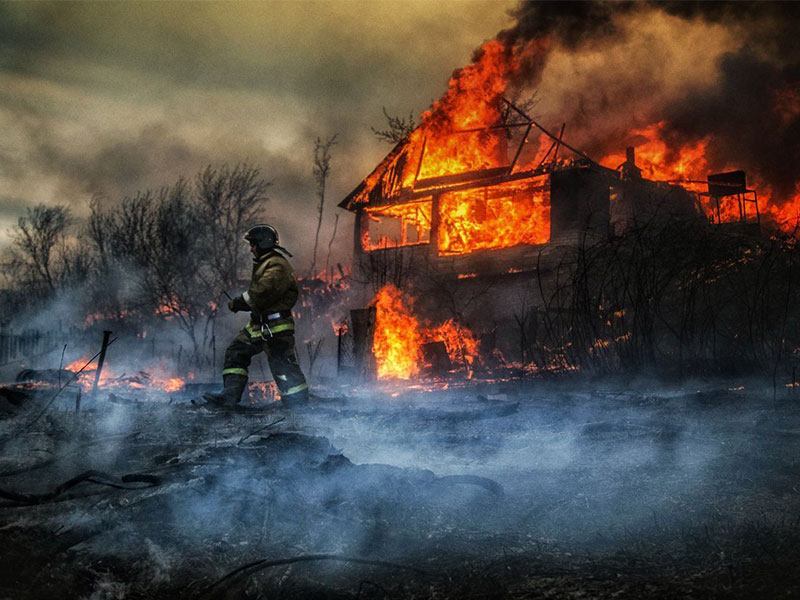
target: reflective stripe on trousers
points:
(281, 357)
(256, 333)
(234, 371)
(295, 389)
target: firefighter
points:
(270, 298)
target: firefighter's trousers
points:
(281, 356)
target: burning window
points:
(493, 217)
(399, 225)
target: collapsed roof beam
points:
(547, 133)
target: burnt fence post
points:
(5, 343)
(100, 361)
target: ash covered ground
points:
(525, 489)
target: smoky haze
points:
(642, 469)
(104, 100)
(729, 72)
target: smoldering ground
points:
(493, 491)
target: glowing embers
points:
(157, 378)
(398, 225)
(500, 216)
(398, 340)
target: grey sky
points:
(109, 98)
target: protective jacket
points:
(272, 291)
(269, 298)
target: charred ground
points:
(545, 489)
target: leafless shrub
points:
(321, 170)
(397, 128)
(675, 296)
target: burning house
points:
(472, 215)
(480, 204)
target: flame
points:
(261, 391)
(500, 216)
(467, 130)
(396, 343)
(398, 338)
(461, 345)
(787, 215)
(659, 161)
(157, 378)
(472, 101)
(686, 165)
(412, 219)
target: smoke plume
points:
(727, 73)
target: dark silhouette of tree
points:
(36, 241)
(321, 170)
(230, 201)
(178, 248)
(397, 128)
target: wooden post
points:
(338, 351)
(434, 234)
(100, 361)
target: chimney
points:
(629, 168)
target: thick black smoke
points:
(750, 112)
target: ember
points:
(157, 378)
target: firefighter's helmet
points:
(264, 237)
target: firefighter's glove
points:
(238, 304)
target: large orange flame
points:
(498, 217)
(396, 343)
(659, 161)
(472, 101)
(398, 338)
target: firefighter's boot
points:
(297, 400)
(233, 388)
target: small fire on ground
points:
(155, 379)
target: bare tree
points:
(397, 128)
(330, 243)
(321, 170)
(36, 240)
(230, 201)
(177, 248)
(154, 241)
